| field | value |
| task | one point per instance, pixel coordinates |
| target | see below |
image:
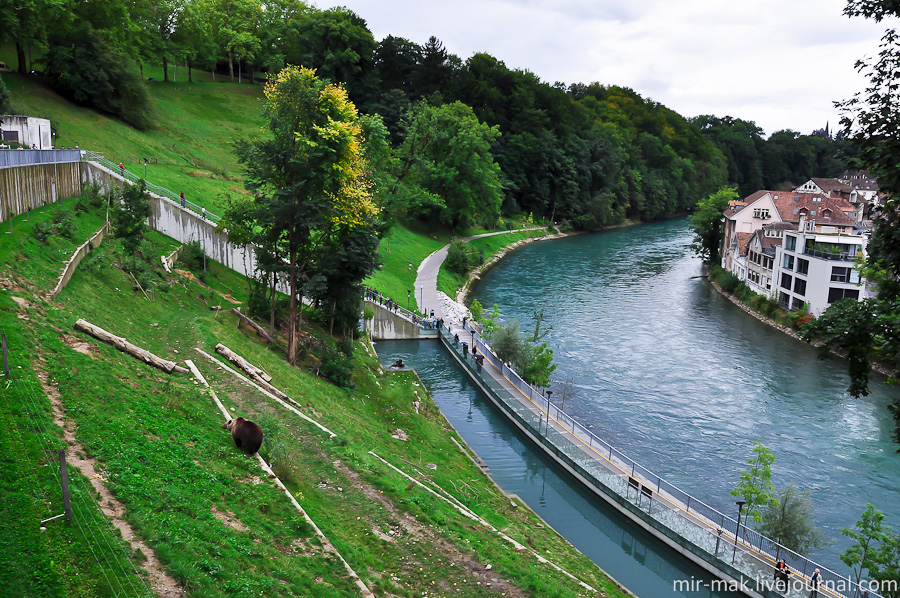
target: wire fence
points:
(700, 523)
(155, 189)
(424, 323)
(25, 401)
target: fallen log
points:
(262, 331)
(124, 346)
(254, 372)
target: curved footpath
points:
(429, 298)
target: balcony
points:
(839, 256)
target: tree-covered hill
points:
(592, 154)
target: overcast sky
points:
(779, 63)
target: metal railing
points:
(701, 525)
(377, 298)
(828, 255)
(27, 157)
(155, 189)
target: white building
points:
(813, 269)
(798, 248)
(26, 130)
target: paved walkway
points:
(427, 296)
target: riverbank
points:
(875, 365)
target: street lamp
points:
(737, 531)
(408, 293)
(549, 392)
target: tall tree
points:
(706, 222)
(309, 178)
(871, 120)
(755, 483)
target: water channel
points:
(679, 379)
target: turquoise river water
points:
(679, 379)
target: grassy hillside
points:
(190, 145)
(218, 527)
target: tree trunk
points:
(20, 55)
(190, 72)
(292, 312)
(255, 372)
(246, 320)
(141, 66)
(165, 69)
(252, 74)
(231, 65)
(331, 324)
(272, 305)
(122, 345)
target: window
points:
(790, 242)
(788, 262)
(836, 294)
(840, 274)
(761, 213)
(798, 304)
(800, 286)
(786, 280)
(802, 266)
(784, 300)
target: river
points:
(679, 379)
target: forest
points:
(469, 141)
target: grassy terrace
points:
(218, 527)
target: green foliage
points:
(876, 550)
(755, 483)
(92, 197)
(129, 212)
(91, 72)
(530, 357)
(447, 167)
(462, 257)
(336, 366)
(789, 521)
(42, 230)
(477, 310)
(5, 102)
(64, 222)
(706, 223)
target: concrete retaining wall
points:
(24, 188)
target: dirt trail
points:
(161, 584)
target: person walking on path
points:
(122, 169)
(814, 582)
(203, 213)
(183, 200)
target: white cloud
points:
(780, 64)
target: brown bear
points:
(246, 434)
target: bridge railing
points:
(155, 189)
(377, 298)
(703, 524)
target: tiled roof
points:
(742, 240)
(790, 204)
(828, 185)
(736, 205)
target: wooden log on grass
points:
(124, 346)
(255, 372)
(262, 331)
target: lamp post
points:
(408, 293)
(547, 429)
(737, 531)
(421, 301)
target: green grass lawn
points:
(217, 525)
(189, 146)
(401, 253)
(450, 282)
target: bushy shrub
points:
(336, 367)
(729, 282)
(5, 103)
(64, 223)
(191, 257)
(42, 230)
(92, 197)
(463, 257)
